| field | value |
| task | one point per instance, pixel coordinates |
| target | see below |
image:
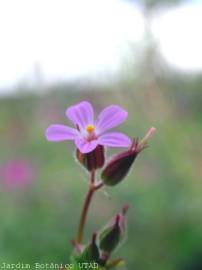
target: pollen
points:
(90, 128)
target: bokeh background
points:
(146, 57)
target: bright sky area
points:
(73, 38)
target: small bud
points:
(93, 160)
(90, 253)
(119, 166)
(113, 234)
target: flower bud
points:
(90, 252)
(93, 160)
(119, 166)
(113, 234)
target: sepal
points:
(113, 234)
(93, 160)
(119, 166)
(90, 253)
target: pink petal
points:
(61, 133)
(114, 139)
(85, 146)
(110, 117)
(81, 114)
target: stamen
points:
(90, 128)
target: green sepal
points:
(110, 239)
(90, 253)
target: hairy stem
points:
(87, 202)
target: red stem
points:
(88, 199)
(84, 214)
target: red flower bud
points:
(113, 234)
(93, 160)
(119, 166)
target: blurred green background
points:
(42, 188)
(164, 188)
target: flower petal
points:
(85, 146)
(114, 139)
(110, 117)
(81, 114)
(61, 133)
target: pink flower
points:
(90, 133)
(16, 173)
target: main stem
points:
(91, 190)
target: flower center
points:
(90, 128)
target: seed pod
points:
(93, 160)
(119, 166)
(114, 233)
